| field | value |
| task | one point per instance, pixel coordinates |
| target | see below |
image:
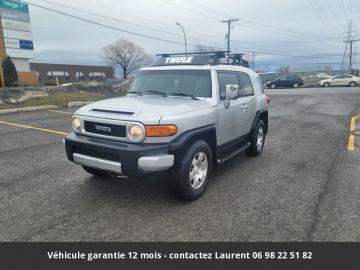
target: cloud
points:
(262, 27)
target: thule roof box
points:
(201, 58)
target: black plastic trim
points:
(125, 153)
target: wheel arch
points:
(261, 115)
(181, 144)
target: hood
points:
(142, 108)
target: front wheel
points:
(273, 86)
(191, 176)
(257, 140)
(326, 84)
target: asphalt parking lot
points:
(305, 186)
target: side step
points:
(233, 152)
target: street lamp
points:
(182, 28)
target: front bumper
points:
(118, 157)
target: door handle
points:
(244, 106)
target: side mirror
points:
(232, 91)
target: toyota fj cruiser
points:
(181, 117)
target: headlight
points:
(136, 133)
(76, 124)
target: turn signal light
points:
(160, 131)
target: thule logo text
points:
(179, 60)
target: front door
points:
(236, 120)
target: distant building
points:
(64, 73)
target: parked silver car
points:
(341, 80)
(181, 117)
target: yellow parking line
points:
(34, 128)
(55, 111)
(352, 125)
(351, 143)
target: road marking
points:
(34, 128)
(55, 111)
(351, 143)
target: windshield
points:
(173, 82)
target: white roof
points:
(203, 67)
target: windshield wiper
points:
(136, 93)
(156, 92)
(184, 95)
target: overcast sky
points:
(279, 31)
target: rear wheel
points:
(273, 86)
(295, 85)
(326, 84)
(191, 176)
(257, 140)
(352, 84)
(95, 172)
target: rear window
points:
(246, 85)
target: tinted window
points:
(294, 76)
(246, 85)
(224, 79)
(283, 77)
(189, 82)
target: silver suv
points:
(181, 117)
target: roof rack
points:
(201, 58)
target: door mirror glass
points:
(232, 91)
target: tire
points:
(185, 186)
(295, 85)
(326, 84)
(257, 143)
(352, 84)
(95, 172)
(273, 86)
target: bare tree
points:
(284, 69)
(126, 55)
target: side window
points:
(224, 79)
(246, 85)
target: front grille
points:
(105, 129)
(97, 154)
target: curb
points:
(28, 109)
(42, 108)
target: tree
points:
(9, 72)
(284, 69)
(126, 55)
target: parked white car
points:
(341, 80)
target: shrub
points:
(9, 72)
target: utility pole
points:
(253, 60)
(229, 22)
(349, 42)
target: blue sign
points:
(26, 44)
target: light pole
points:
(182, 28)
